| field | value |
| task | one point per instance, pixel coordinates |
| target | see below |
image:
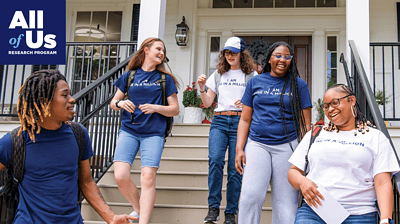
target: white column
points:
(357, 29)
(319, 78)
(152, 19)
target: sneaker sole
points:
(212, 222)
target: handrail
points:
(366, 99)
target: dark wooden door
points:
(301, 46)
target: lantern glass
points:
(181, 36)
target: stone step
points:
(190, 128)
(167, 179)
(188, 140)
(185, 151)
(170, 213)
(172, 195)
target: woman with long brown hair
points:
(143, 123)
(228, 83)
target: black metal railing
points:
(85, 63)
(93, 111)
(359, 83)
(385, 64)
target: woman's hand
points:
(127, 105)
(239, 160)
(310, 192)
(148, 108)
(238, 104)
(202, 82)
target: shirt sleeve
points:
(247, 98)
(210, 83)
(88, 152)
(170, 87)
(122, 81)
(304, 93)
(385, 159)
(5, 149)
(298, 158)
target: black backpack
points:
(163, 81)
(12, 175)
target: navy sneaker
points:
(229, 218)
(212, 215)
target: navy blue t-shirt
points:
(49, 189)
(262, 94)
(145, 88)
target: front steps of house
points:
(181, 182)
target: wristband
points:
(389, 221)
(202, 91)
(116, 103)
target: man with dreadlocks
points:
(48, 192)
(275, 116)
(353, 161)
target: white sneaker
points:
(134, 214)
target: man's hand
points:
(122, 219)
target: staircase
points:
(181, 182)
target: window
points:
(214, 52)
(273, 3)
(98, 26)
(331, 60)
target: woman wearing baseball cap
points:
(228, 83)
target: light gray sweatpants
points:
(267, 164)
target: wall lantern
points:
(181, 34)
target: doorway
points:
(301, 46)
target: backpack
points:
(217, 79)
(163, 81)
(13, 174)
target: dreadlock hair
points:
(34, 99)
(361, 122)
(138, 59)
(294, 95)
(247, 64)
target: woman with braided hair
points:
(49, 188)
(353, 161)
(275, 116)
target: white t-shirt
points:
(346, 165)
(231, 88)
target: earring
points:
(353, 111)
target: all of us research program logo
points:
(32, 32)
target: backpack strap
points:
(163, 82)
(79, 134)
(129, 82)
(18, 154)
(316, 129)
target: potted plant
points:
(380, 100)
(209, 111)
(319, 108)
(192, 103)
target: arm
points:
(206, 97)
(169, 111)
(384, 193)
(242, 134)
(308, 188)
(94, 197)
(1, 166)
(123, 104)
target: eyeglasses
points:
(286, 57)
(334, 103)
(133, 120)
(227, 53)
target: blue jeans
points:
(223, 133)
(305, 215)
(128, 145)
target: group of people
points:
(262, 120)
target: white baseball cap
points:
(234, 44)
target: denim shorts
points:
(128, 145)
(305, 215)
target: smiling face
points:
(155, 54)
(279, 66)
(340, 115)
(233, 59)
(62, 104)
